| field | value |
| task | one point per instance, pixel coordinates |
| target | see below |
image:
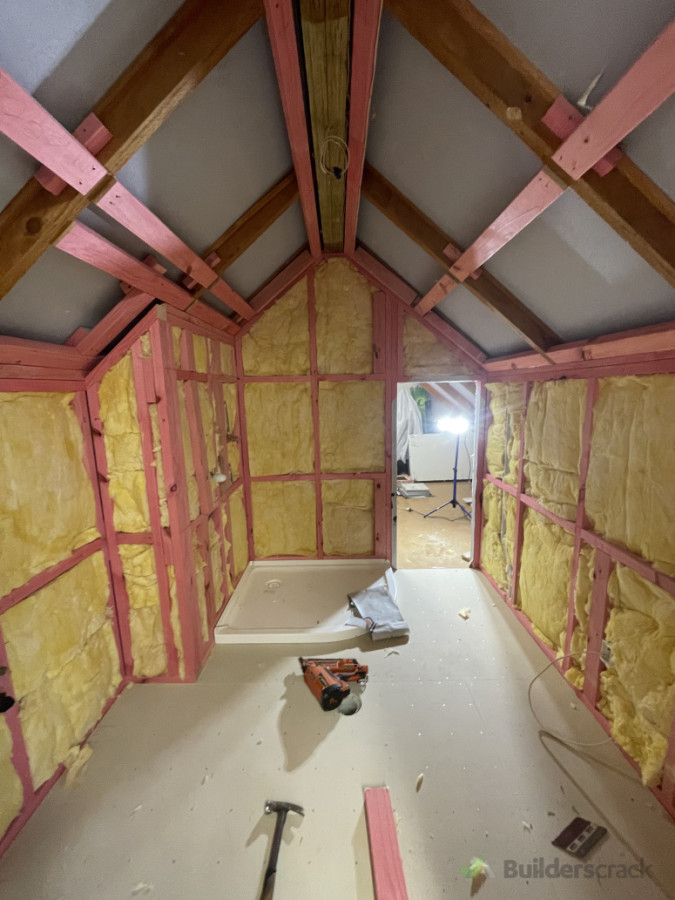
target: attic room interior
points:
(230, 233)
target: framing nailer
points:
(329, 679)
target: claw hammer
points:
(281, 808)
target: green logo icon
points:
(475, 867)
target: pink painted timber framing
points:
(385, 856)
(646, 85)
(537, 196)
(115, 563)
(166, 387)
(482, 413)
(435, 294)
(145, 395)
(202, 474)
(365, 31)
(596, 626)
(245, 468)
(282, 282)
(281, 27)
(563, 118)
(518, 541)
(580, 523)
(40, 354)
(93, 135)
(314, 371)
(88, 246)
(124, 208)
(381, 276)
(24, 121)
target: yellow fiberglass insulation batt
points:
(502, 447)
(553, 426)
(64, 662)
(122, 436)
(582, 608)
(630, 491)
(499, 509)
(47, 506)
(284, 518)
(175, 621)
(544, 583)
(351, 426)
(348, 517)
(208, 420)
(280, 428)
(232, 416)
(239, 524)
(638, 688)
(424, 354)
(148, 645)
(344, 319)
(11, 792)
(278, 343)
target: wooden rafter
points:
(365, 33)
(255, 221)
(281, 26)
(434, 241)
(325, 40)
(476, 53)
(178, 58)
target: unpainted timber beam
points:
(434, 241)
(325, 42)
(502, 78)
(177, 59)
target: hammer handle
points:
(271, 873)
(268, 887)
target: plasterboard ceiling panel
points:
(574, 41)
(396, 249)
(55, 297)
(411, 263)
(579, 276)
(478, 323)
(651, 145)
(219, 151)
(437, 143)
(280, 243)
(67, 53)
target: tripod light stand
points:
(456, 426)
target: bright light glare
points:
(457, 425)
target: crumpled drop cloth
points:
(377, 610)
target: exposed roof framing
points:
(476, 53)
(399, 210)
(281, 26)
(326, 26)
(194, 40)
(255, 221)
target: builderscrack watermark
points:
(541, 868)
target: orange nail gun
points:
(328, 680)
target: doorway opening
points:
(435, 462)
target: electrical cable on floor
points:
(445, 518)
(559, 737)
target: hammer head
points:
(275, 806)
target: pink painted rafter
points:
(281, 27)
(365, 31)
(93, 135)
(24, 121)
(645, 86)
(124, 208)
